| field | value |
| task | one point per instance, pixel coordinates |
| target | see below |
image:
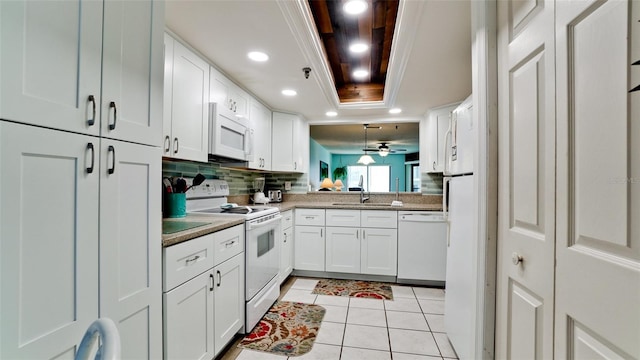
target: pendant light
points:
(365, 159)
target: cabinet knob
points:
(516, 258)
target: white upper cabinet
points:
(186, 103)
(232, 101)
(114, 75)
(260, 119)
(132, 68)
(46, 81)
(290, 143)
(434, 138)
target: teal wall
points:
(395, 161)
(317, 153)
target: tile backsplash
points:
(240, 181)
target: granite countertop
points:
(203, 225)
(284, 206)
(207, 224)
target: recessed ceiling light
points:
(355, 7)
(358, 47)
(289, 92)
(360, 73)
(258, 56)
(331, 113)
(395, 111)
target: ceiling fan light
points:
(383, 152)
(355, 7)
(366, 159)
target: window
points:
(376, 178)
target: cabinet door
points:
(286, 255)
(443, 149)
(301, 146)
(50, 54)
(188, 319)
(219, 88)
(260, 118)
(167, 144)
(189, 105)
(309, 248)
(130, 246)
(379, 254)
(241, 102)
(282, 151)
(228, 300)
(48, 241)
(343, 250)
(132, 71)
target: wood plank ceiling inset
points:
(338, 30)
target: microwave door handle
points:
(252, 226)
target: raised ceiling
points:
(338, 30)
(349, 139)
(435, 68)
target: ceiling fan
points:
(383, 149)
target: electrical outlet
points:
(287, 185)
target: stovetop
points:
(210, 198)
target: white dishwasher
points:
(422, 247)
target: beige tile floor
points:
(409, 327)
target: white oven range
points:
(262, 252)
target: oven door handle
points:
(251, 226)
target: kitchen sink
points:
(359, 204)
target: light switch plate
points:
(287, 185)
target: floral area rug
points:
(289, 329)
(354, 288)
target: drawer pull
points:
(229, 243)
(211, 279)
(192, 259)
(219, 277)
(310, 217)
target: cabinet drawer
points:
(310, 217)
(379, 219)
(186, 260)
(228, 243)
(287, 219)
(350, 218)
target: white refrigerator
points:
(461, 292)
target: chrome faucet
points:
(361, 186)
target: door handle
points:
(115, 115)
(219, 277)
(177, 144)
(516, 259)
(112, 150)
(93, 158)
(92, 121)
(167, 143)
(211, 280)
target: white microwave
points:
(228, 138)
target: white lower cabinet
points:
(286, 249)
(203, 312)
(188, 317)
(309, 239)
(362, 242)
(343, 249)
(379, 251)
(228, 300)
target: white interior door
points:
(598, 204)
(526, 183)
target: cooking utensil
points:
(167, 185)
(196, 181)
(181, 185)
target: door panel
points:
(48, 76)
(130, 248)
(228, 300)
(48, 241)
(598, 235)
(526, 167)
